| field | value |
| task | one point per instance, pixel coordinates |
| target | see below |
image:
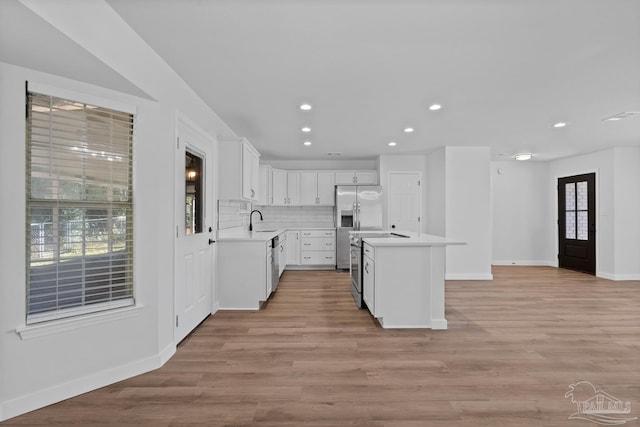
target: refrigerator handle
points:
(357, 210)
(355, 216)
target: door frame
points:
(211, 169)
(387, 194)
(556, 240)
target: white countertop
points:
(238, 235)
(414, 239)
(258, 235)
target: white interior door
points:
(195, 224)
(404, 196)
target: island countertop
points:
(413, 239)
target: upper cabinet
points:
(285, 188)
(317, 188)
(265, 195)
(239, 168)
(356, 178)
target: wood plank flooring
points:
(310, 358)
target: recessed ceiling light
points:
(392, 144)
(621, 116)
(305, 107)
(306, 129)
(307, 143)
(434, 107)
(408, 130)
(523, 156)
(559, 125)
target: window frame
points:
(103, 306)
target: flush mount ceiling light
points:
(305, 107)
(408, 130)
(306, 129)
(392, 144)
(333, 153)
(559, 125)
(435, 107)
(307, 143)
(523, 156)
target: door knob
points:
(211, 241)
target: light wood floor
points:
(309, 358)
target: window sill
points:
(63, 325)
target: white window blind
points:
(79, 208)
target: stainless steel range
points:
(355, 240)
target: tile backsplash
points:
(279, 216)
(232, 213)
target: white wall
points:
(401, 163)
(602, 163)
(468, 212)
(459, 207)
(626, 215)
(436, 193)
(88, 355)
(520, 210)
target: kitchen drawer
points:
(318, 233)
(318, 257)
(318, 244)
(369, 251)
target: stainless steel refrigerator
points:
(358, 207)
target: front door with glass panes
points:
(577, 223)
(194, 230)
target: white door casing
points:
(404, 201)
(195, 253)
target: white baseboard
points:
(23, 404)
(468, 276)
(439, 324)
(167, 353)
(618, 277)
(524, 262)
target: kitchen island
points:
(403, 280)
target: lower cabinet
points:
(311, 248)
(282, 253)
(243, 268)
(318, 247)
(293, 248)
(368, 285)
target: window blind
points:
(79, 208)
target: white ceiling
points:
(504, 71)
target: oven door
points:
(356, 278)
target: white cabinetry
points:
(368, 281)
(243, 268)
(317, 188)
(356, 177)
(239, 175)
(265, 195)
(318, 247)
(282, 253)
(293, 188)
(285, 188)
(293, 247)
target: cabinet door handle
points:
(253, 193)
(328, 244)
(366, 268)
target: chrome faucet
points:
(251, 218)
